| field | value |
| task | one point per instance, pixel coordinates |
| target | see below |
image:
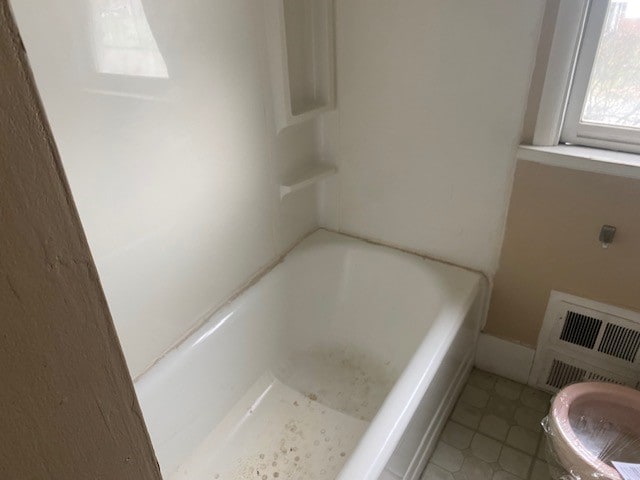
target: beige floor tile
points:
(529, 418)
(494, 427)
(474, 396)
(508, 388)
(543, 451)
(540, 471)
(502, 407)
(514, 461)
(466, 415)
(475, 469)
(535, 399)
(494, 433)
(557, 472)
(457, 435)
(481, 379)
(485, 448)
(447, 457)
(504, 475)
(523, 439)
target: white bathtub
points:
(340, 363)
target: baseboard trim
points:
(504, 358)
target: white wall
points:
(175, 179)
(431, 100)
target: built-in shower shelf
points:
(305, 178)
(300, 43)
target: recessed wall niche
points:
(300, 36)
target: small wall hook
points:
(607, 232)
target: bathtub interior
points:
(285, 380)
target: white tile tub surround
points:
(343, 326)
(505, 444)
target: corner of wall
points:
(328, 191)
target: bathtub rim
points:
(262, 272)
(360, 464)
(395, 420)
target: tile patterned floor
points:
(494, 433)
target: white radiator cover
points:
(584, 340)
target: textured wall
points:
(68, 406)
(551, 243)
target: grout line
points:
(503, 443)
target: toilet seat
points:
(604, 400)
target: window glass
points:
(613, 95)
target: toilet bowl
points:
(592, 424)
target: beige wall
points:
(551, 243)
(68, 408)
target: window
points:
(603, 107)
(591, 92)
(604, 103)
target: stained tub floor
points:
(300, 421)
(493, 433)
(275, 432)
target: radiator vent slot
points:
(561, 374)
(563, 371)
(584, 340)
(595, 377)
(580, 329)
(620, 342)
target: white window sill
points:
(587, 159)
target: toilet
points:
(590, 425)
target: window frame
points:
(576, 37)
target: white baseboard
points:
(504, 358)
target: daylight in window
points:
(613, 95)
